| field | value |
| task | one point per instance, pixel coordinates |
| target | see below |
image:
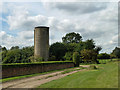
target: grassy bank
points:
(105, 77)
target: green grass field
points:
(104, 77)
(106, 60)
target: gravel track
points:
(35, 81)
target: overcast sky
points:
(93, 20)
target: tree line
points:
(71, 45)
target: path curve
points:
(35, 81)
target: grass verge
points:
(105, 77)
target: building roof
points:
(41, 27)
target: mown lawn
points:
(106, 60)
(105, 77)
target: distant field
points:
(105, 77)
(106, 60)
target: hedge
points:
(32, 64)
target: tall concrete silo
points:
(41, 42)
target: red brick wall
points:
(31, 69)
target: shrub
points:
(52, 58)
(76, 59)
(112, 56)
(103, 56)
(36, 59)
(68, 56)
(93, 67)
(89, 56)
(116, 52)
(58, 50)
(13, 56)
(16, 55)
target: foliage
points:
(3, 54)
(27, 52)
(17, 55)
(3, 49)
(34, 63)
(88, 44)
(97, 49)
(72, 42)
(0, 48)
(36, 59)
(70, 47)
(116, 52)
(13, 56)
(57, 49)
(103, 56)
(52, 58)
(14, 47)
(68, 56)
(93, 67)
(112, 56)
(89, 56)
(72, 38)
(76, 59)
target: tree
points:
(116, 52)
(70, 47)
(13, 56)
(36, 59)
(18, 55)
(112, 56)
(14, 47)
(4, 49)
(72, 38)
(68, 56)
(3, 55)
(103, 56)
(27, 52)
(58, 50)
(0, 48)
(52, 58)
(97, 49)
(89, 56)
(89, 44)
(76, 59)
(80, 46)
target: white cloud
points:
(75, 7)
(26, 35)
(114, 39)
(100, 25)
(20, 40)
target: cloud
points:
(76, 7)
(100, 25)
(115, 39)
(20, 40)
(26, 34)
(24, 21)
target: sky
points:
(93, 20)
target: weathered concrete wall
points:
(41, 42)
(14, 70)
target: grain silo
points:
(41, 42)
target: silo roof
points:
(41, 27)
